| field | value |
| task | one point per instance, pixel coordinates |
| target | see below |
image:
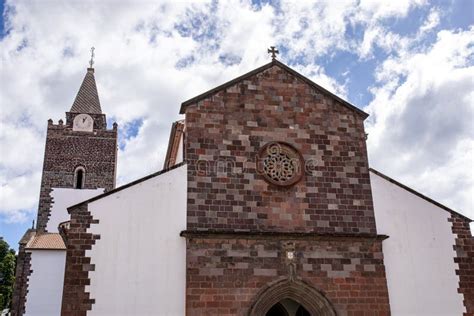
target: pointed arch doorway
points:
(291, 298)
(288, 307)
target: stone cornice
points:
(190, 234)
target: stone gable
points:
(226, 130)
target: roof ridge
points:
(87, 98)
(46, 233)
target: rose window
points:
(280, 163)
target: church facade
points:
(266, 205)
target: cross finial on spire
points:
(272, 50)
(91, 62)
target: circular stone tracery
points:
(280, 163)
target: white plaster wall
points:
(140, 259)
(45, 286)
(62, 199)
(418, 255)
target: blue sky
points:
(408, 63)
(2, 26)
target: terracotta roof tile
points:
(47, 241)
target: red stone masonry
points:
(67, 149)
(225, 274)
(22, 274)
(76, 301)
(240, 227)
(224, 133)
(464, 248)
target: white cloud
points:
(376, 10)
(422, 124)
(17, 195)
(431, 22)
(312, 29)
(318, 75)
(150, 57)
(21, 152)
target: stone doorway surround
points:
(299, 291)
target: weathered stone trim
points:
(312, 300)
(293, 157)
(76, 301)
(22, 275)
(177, 130)
(464, 248)
(278, 235)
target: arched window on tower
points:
(79, 177)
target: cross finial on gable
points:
(272, 50)
(91, 62)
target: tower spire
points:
(87, 98)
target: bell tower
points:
(80, 155)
